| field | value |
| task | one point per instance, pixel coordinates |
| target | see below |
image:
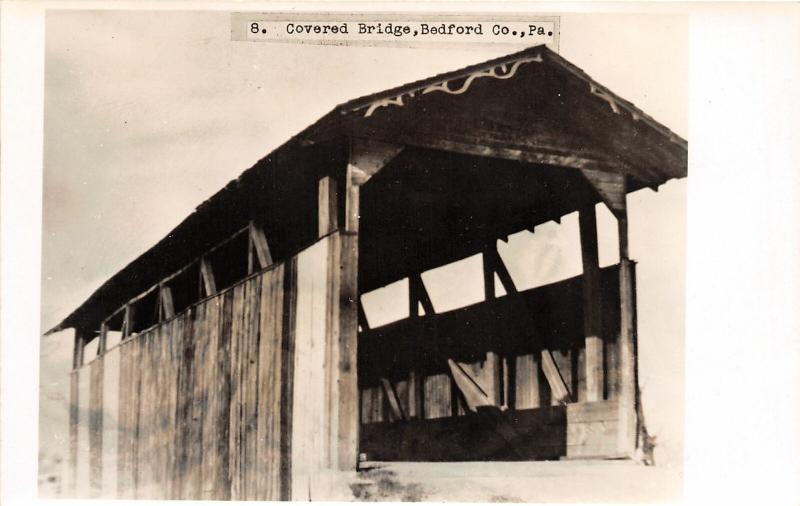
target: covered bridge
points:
(235, 360)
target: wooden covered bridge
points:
(234, 359)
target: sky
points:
(148, 115)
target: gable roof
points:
(531, 106)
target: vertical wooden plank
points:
(328, 206)
(308, 413)
(493, 372)
(267, 466)
(96, 426)
(416, 394)
(579, 379)
(111, 416)
(251, 427)
(237, 356)
(244, 386)
(287, 374)
(347, 381)
(371, 402)
(162, 414)
(612, 370)
(83, 457)
(197, 487)
(152, 389)
(176, 476)
(166, 410)
(73, 433)
(627, 428)
(184, 417)
(592, 304)
(438, 402)
(527, 382)
(416, 377)
(208, 458)
(124, 425)
(141, 442)
(223, 400)
(136, 359)
(220, 405)
(167, 386)
(332, 304)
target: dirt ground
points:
(558, 481)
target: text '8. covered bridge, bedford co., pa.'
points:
(244, 366)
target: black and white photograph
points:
(364, 271)
(373, 254)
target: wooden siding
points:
(592, 429)
(202, 406)
(83, 471)
(96, 427)
(520, 327)
(580, 430)
(110, 409)
(308, 432)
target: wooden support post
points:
(474, 394)
(258, 242)
(592, 313)
(251, 262)
(167, 304)
(558, 387)
(127, 322)
(416, 379)
(416, 391)
(102, 339)
(394, 402)
(207, 277)
(419, 296)
(493, 368)
(328, 215)
(77, 349)
(612, 189)
(342, 380)
(344, 390)
(628, 423)
(72, 460)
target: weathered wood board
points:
(523, 327)
(201, 405)
(110, 410)
(83, 470)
